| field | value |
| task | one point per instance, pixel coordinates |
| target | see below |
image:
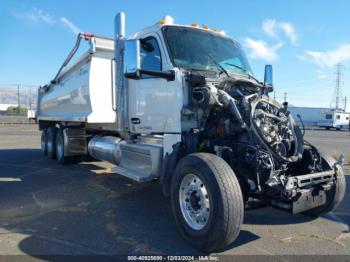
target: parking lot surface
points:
(48, 209)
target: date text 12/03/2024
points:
(172, 258)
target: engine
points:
(232, 114)
(255, 134)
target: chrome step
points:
(137, 176)
(140, 162)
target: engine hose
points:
(230, 103)
(234, 110)
(280, 119)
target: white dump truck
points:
(179, 104)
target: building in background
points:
(310, 115)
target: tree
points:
(16, 110)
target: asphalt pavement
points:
(84, 209)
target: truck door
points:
(154, 103)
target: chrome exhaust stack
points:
(120, 91)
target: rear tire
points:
(60, 152)
(334, 196)
(44, 141)
(222, 199)
(51, 142)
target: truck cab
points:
(155, 103)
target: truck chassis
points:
(223, 143)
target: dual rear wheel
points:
(53, 145)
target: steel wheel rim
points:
(194, 202)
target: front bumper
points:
(304, 181)
(308, 199)
(306, 192)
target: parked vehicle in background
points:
(338, 119)
(179, 104)
(31, 114)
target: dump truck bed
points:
(83, 92)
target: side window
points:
(150, 55)
(338, 116)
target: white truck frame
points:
(193, 118)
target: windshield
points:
(204, 50)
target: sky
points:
(303, 40)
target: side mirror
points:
(132, 61)
(268, 78)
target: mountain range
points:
(10, 96)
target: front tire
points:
(214, 201)
(334, 196)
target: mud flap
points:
(308, 199)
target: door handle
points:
(135, 121)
